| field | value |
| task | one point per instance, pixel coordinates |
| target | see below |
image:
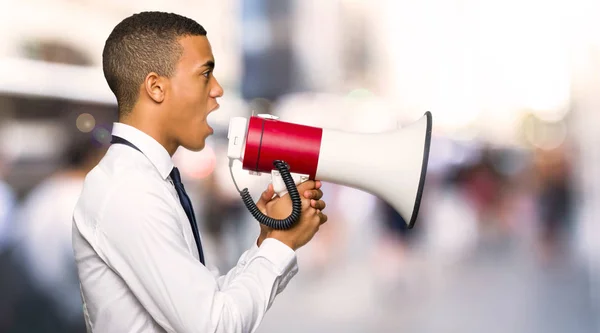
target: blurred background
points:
(507, 238)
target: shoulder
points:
(136, 194)
(138, 212)
(120, 190)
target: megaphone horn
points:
(391, 165)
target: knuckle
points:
(309, 210)
(307, 184)
(306, 204)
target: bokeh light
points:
(102, 135)
(195, 165)
(85, 122)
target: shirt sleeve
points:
(142, 241)
(224, 280)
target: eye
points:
(206, 74)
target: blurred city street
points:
(498, 289)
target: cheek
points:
(190, 100)
(186, 91)
(189, 106)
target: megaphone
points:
(391, 165)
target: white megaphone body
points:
(390, 165)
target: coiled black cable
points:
(288, 222)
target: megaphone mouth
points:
(427, 143)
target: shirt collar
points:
(154, 151)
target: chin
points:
(195, 143)
(197, 147)
(194, 146)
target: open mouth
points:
(210, 116)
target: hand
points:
(311, 216)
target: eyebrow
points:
(210, 64)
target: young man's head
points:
(159, 66)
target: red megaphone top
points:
(268, 140)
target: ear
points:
(155, 86)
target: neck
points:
(151, 126)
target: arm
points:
(224, 280)
(142, 241)
(268, 198)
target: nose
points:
(216, 91)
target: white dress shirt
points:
(137, 258)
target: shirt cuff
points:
(281, 255)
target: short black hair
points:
(142, 43)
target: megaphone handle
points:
(279, 185)
(286, 223)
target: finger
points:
(268, 193)
(306, 186)
(265, 197)
(318, 184)
(318, 204)
(313, 194)
(322, 217)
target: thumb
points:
(265, 197)
(305, 186)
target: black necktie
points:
(183, 197)
(187, 206)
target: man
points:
(135, 239)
